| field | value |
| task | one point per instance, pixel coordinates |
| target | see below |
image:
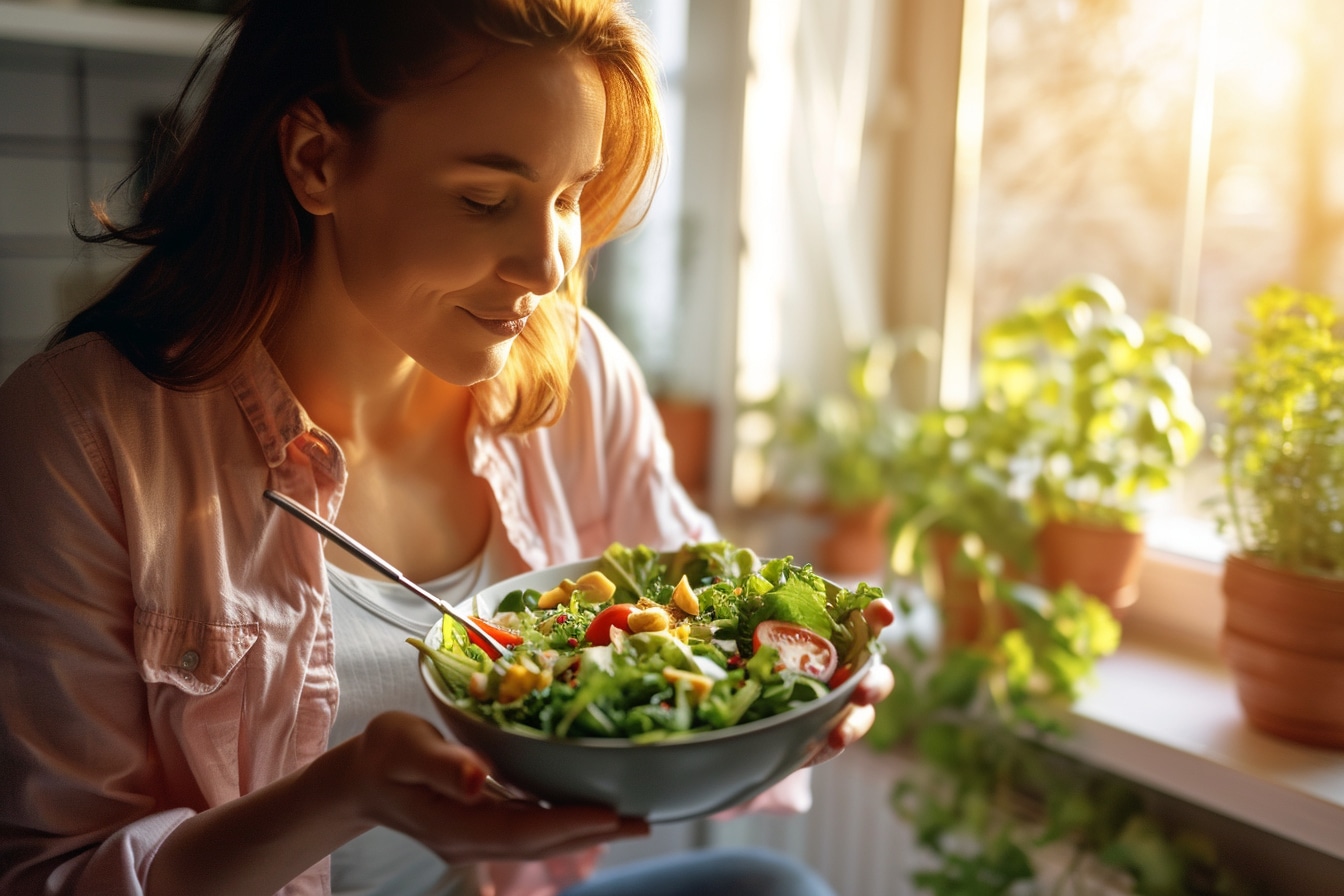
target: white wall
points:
(70, 122)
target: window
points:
(636, 284)
(1181, 148)
(759, 256)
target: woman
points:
(361, 287)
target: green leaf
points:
(1144, 851)
(797, 601)
(956, 682)
(940, 743)
(630, 569)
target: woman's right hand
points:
(399, 773)
(404, 775)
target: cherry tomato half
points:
(503, 636)
(599, 630)
(800, 648)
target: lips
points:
(504, 327)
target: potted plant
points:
(960, 513)
(991, 798)
(837, 453)
(689, 426)
(1083, 413)
(1108, 419)
(1282, 454)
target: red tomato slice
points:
(599, 630)
(502, 635)
(800, 648)
(840, 677)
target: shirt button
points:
(190, 660)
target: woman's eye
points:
(568, 203)
(481, 208)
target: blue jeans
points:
(741, 872)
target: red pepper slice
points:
(502, 635)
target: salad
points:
(647, 645)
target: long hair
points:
(225, 240)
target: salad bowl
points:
(670, 779)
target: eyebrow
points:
(511, 165)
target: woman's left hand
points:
(858, 717)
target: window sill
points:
(1169, 719)
(1163, 711)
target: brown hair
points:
(225, 239)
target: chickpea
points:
(649, 619)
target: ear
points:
(310, 148)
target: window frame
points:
(935, 179)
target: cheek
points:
(390, 224)
(397, 253)
(367, 244)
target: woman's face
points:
(459, 212)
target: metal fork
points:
(378, 563)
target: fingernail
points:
(838, 738)
(473, 780)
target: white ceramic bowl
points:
(668, 780)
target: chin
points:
(470, 368)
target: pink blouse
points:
(166, 634)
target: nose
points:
(541, 250)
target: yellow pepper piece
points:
(517, 682)
(698, 686)
(684, 598)
(556, 596)
(595, 588)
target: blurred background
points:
(837, 172)
(840, 175)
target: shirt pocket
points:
(194, 657)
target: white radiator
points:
(852, 836)
(854, 839)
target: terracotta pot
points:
(1103, 561)
(1283, 639)
(965, 615)
(689, 427)
(856, 543)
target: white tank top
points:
(377, 671)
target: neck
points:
(353, 382)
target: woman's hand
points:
(401, 773)
(407, 777)
(857, 718)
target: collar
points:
(277, 418)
